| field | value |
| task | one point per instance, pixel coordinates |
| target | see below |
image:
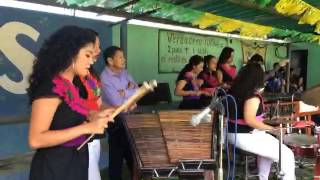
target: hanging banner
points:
(251, 48)
(175, 49)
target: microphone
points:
(196, 119)
(204, 115)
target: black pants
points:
(119, 149)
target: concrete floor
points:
(17, 168)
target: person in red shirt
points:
(226, 72)
(209, 78)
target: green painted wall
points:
(142, 54)
(313, 76)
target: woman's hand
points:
(207, 93)
(277, 131)
(284, 62)
(226, 86)
(131, 85)
(195, 93)
(197, 82)
(98, 121)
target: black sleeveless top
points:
(59, 162)
(189, 102)
(240, 107)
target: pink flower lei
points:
(65, 89)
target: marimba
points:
(166, 144)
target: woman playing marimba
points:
(250, 132)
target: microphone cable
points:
(235, 134)
(226, 131)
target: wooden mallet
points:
(143, 90)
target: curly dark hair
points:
(57, 54)
(249, 79)
(225, 55)
(193, 61)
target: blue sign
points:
(21, 35)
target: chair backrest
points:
(161, 94)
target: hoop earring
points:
(73, 66)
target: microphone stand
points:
(291, 110)
(216, 104)
(221, 113)
(280, 172)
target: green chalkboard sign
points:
(175, 48)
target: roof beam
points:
(125, 5)
(135, 16)
(180, 2)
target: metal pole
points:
(221, 143)
(288, 69)
(281, 173)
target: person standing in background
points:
(209, 78)
(276, 81)
(226, 72)
(256, 58)
(90, 89)
(116, 80)
(188, 85)
(117, 87)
